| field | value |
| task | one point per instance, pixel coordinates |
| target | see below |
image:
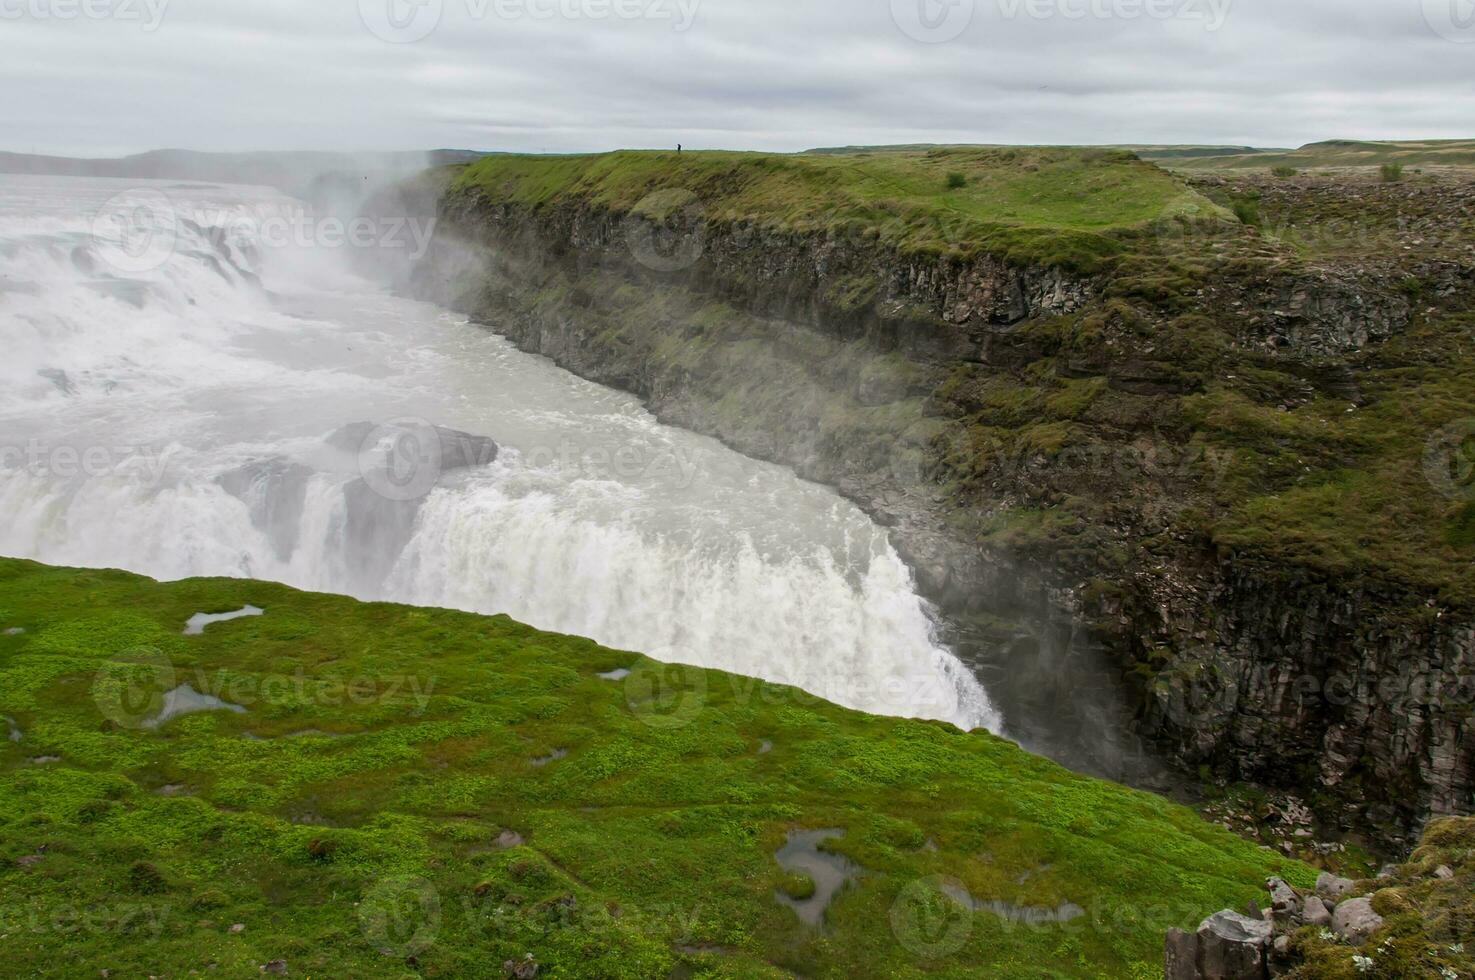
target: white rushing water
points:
(172, 408)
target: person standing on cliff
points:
(678, 149)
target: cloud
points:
(99, 77)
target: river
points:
(202, 402)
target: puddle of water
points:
(15, 733)
(829, 872)
(765, 747)
(185, 700)
(509, 839)
(1024, 914)
(173, 789)
(15, 631)
(543, 760)
(199, 621)
(45, 760)
(618, 674)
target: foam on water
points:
(206, 390)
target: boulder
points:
(446, 449)
(1233, 947)
(1355, 921)
(1316, 913)
(1284, 902)
(1332, 889)
(1180, 960)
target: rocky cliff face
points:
(1026, 433)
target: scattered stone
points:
(524, 969)
(29, 860)
(1284, 902)
(1316, 913)
(238, 928)
(1331, 889)
(1233, 946)
(509, 839)
(15, 631)
(1444, 871)
(278, 967)
(1355, 921)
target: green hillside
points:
(1062, 206)
(1328, 155)
(403, 791)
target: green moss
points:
(648, 847)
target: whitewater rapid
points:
(178, 409)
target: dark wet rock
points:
(84, 261)
(375, 532)
(278, 967)
(452, 449)
(60, 379)
(275, 490)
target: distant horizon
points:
(717, 149)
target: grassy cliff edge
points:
(400, 790)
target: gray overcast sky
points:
(104, 77)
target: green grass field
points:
(421, 792)
(1058, 206)
(1331, 154)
